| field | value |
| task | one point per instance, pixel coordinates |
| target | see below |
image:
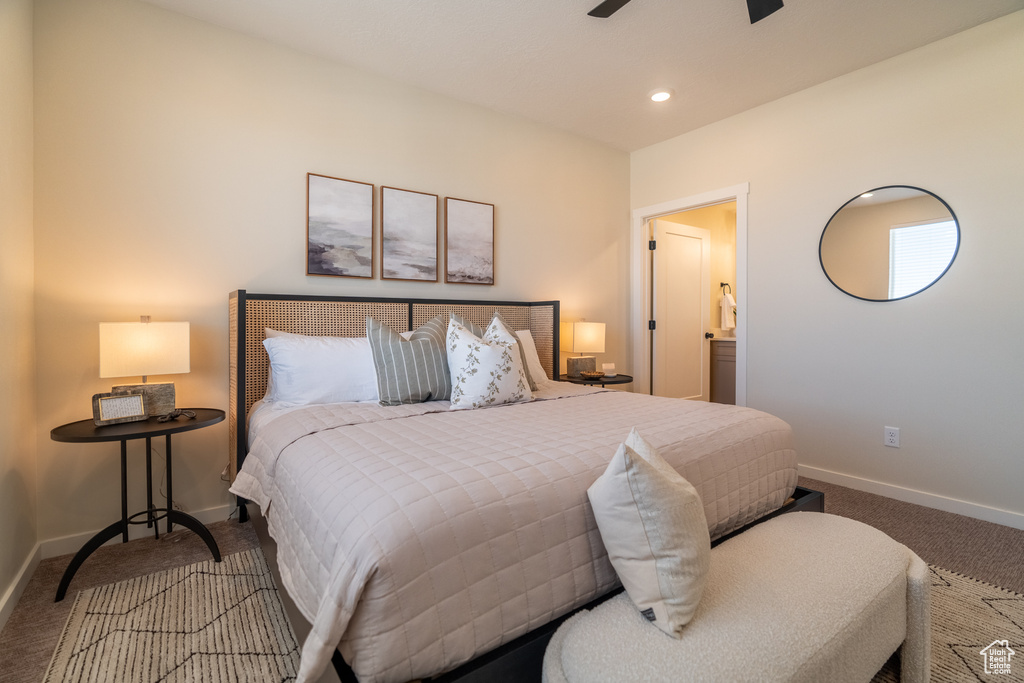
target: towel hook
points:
(723, 285)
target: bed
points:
(416, 538)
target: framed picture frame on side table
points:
(112, 409)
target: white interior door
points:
(681, 272)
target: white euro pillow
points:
(653, 526)
(268, 395)
(305, 370)
(533, 366)
(484, 372)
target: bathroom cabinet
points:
(723, 371)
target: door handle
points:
(709, 335)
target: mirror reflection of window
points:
(889, 243)
(918, 254)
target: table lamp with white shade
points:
(581, 337)
(142, 349)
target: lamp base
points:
(574, 365)
(159, 398)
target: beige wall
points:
(17, 365)
(944, 366)
(171, 163)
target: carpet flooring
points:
(988, 552)
(982, 550)
(28, 639)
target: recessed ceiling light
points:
(662, 94)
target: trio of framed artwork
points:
(340, 233)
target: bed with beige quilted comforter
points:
(415, 538)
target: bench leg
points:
(915, 655)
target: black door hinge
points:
(650, 324)
(652, 245)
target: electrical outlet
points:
(892, 437)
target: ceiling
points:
(548, 61)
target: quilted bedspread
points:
(415, 538)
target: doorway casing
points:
(640, 278)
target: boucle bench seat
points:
(803, 597)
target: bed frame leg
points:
(243, 511)
(341, 667)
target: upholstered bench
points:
(802, 597)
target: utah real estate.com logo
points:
(997, 657)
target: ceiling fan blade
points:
(759, 9)
(607, 8)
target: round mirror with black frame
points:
(889, 243)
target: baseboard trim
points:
(17, 587)
(65, 545)
(931, 500)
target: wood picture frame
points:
(112, 409)
(408, 230)
(339, 227)
(468, 242)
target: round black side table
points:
(617, 379)
(85, 431)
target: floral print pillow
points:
(484, 372)
(499, 331)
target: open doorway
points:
(693, 270)
(666, 359)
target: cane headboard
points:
(340, 316)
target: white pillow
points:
(268, 395)
(483, 372)
(498, 331)
(306, 370)
(652, 523)
(533, 366)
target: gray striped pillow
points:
(471, 326)
(410, 371)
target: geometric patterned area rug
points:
(977, 632)
(216, 622)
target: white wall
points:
(944, 366)
(17, 364)
(171, 162)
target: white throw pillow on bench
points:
(652, 523)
